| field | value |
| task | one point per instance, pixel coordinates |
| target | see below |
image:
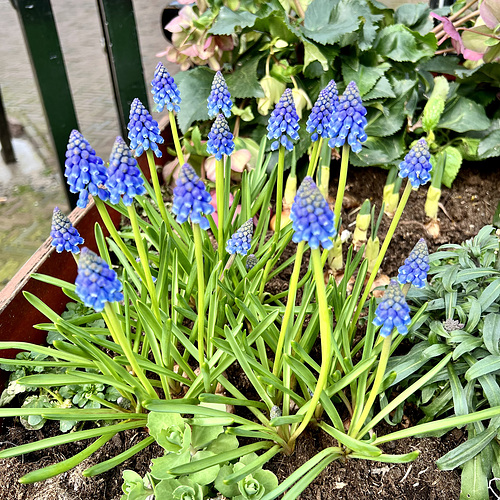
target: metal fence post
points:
(124, 56)
(42, 41)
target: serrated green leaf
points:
(490, 145)
(414, 16)
(228, 20)
(399, 43)
(463, 114)
(194, 86)
(452, 165)
(382, 89)
(326, 21)
(312, 53)
(243, 81)
(378, 151)
(365, 76)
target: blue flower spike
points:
(416, 165)
(392, 311)
(84, 170)
(144, 132)
(241, 241)
(283, 125)
(191, 198)
(220, 140)
(165, 91)
(319, 119)
(124, 176)
(348, 120)
(96, 283)
(64, 234)
(313, 220)
(219, 98)
(251, 262)
(416, 266)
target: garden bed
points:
(468, 206)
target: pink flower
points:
(456, 40)
(239, 160)
(214, 204)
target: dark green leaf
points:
(378, 151)
(414, 16)
(399, 43)
(228, 20)
(365, 76)
(243, 82)
(484, 366)
(463, 114)
(194, 86)
(491, 333)
(490, 145)
(326, 21)
(383, 88)
(490, 294)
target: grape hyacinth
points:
(165, 91)
(84, 170)
(283, 123)
(393, 311)
(64, 234)
(251, 262)
(191, 198)
(416, 266)
(241, 241)
(317, 123)
(416, 165)
(144, 132)
(219, 98)
(220, 140)
(313, 219)
(96, 283)
(348, 120)
(124, 176)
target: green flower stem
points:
(175, 136)
(290, 305)
(382, 365)
(326, 341)
(342, 182)
(114, 234)
(117, 333)
(219, 194)
(156, 185)
(198, 250)
(381, 255)
(314, 157)
(279, 192)
(143, 255)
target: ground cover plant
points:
(188, 300)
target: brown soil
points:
(467, 207)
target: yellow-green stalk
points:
(435, 106)
(335, 259)
(363, 220)
(434, 191)
(391, 192)
(289, 195)
(372, 248)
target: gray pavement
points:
(31, 188)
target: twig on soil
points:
(407, 473)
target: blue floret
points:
(124, 176)
(348, 120)
(191, 198)
(165, 91)
(144, 132)
(96, 283)
(416, 266)
(393, 311)
(219, 98)
(64, 234)
(416, 165)
(319, 119)
(241, 241)
(220, 140)
(313, 220)
(283, 123)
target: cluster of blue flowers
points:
(313, 220)
(416, 164)
(283, 125)
(191, 198)
(416, 266)
(319, 119)
(84, 170)
(392, 311)
(220, 140)
(241, 241)
(124, 176)
(96, 283)
(251, 262)
(144, 132)
(64, 235)
(219, 98)
(348, 120)
(165, 91)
